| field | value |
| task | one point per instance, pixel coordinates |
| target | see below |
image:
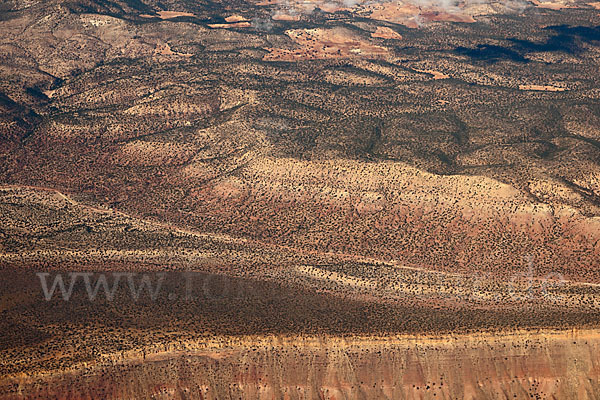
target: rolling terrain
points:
(331, 199)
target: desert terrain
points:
(332, 368)
(299, 199)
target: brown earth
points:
(243, 24)
(173, 14)
(546, 88)
(519, 365)
(386, 33)
(324, 44)
(327, 188)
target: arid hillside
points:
(281, 172)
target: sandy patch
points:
(386, 33)
(235, 18)
(595, 5)
(165, 50)
(543, 88)
(173, 14)
(244, 24)
(324, 43)
(49, 93)
(285, 17)
(436, 74)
